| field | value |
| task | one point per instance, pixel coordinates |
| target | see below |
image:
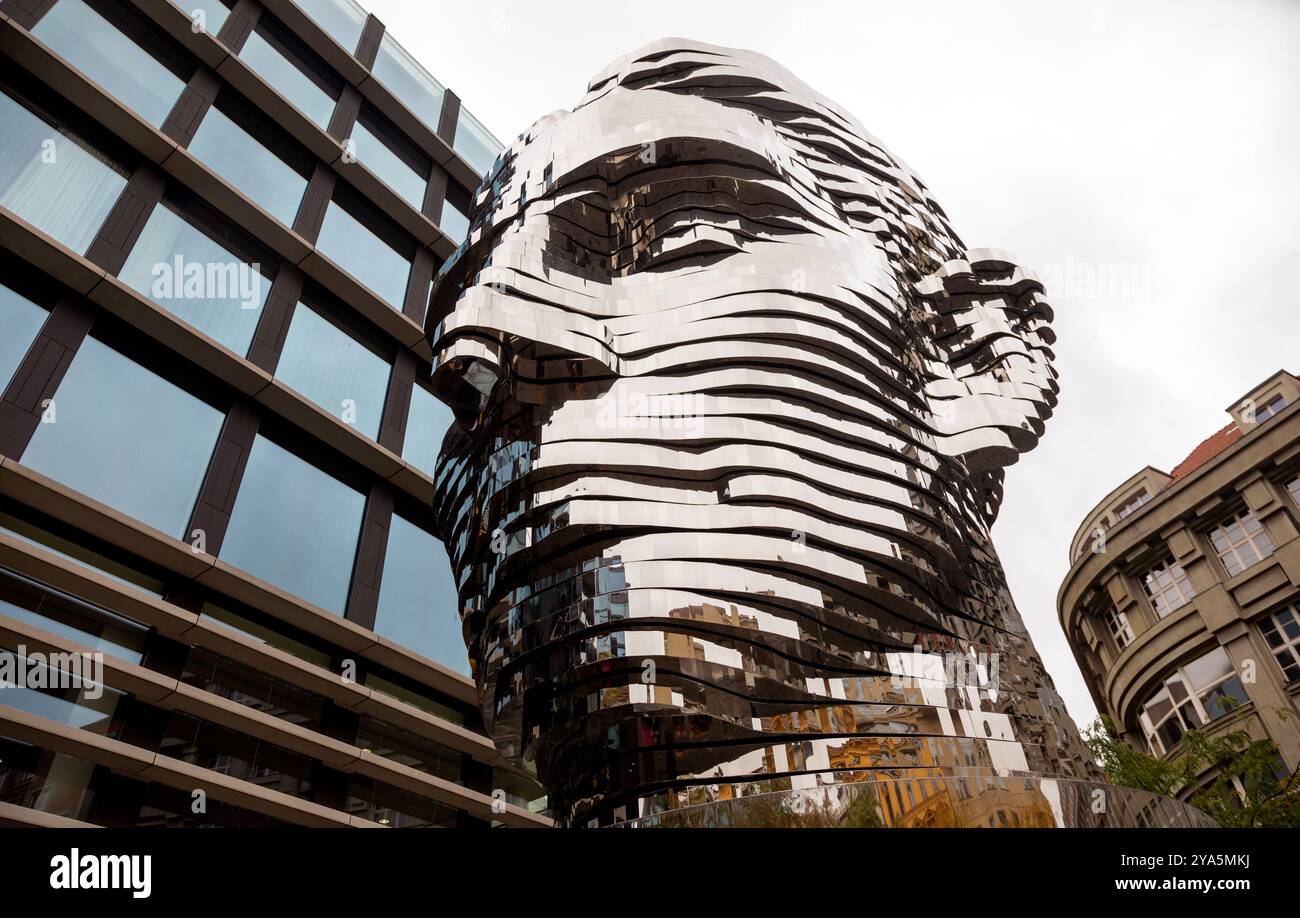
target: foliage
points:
(1259, 796)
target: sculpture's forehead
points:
(630, 120)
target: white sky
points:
(1155, 140)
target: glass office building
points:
(219, 224)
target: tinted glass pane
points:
(189, 274)
(26, 601)
(407, 80)
(233, 154)
(294, 526)
(20, 322)
(266, 634)
(51, 180)
(425, 426)
(214, 13)
(78, 554)
(475, 145)
(334, 370)
(375, 155)
(417, 597)
(120, 66)
(285, 77)
(72, 706)
(124, 436)
(452, 222)
(342, 20)
(345, 241)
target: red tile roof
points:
(1209, 448)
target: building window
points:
(1293, 488)
(418, 605)
(1168, 587)
(399, 171)
(1132, 504)
(1282, 632)
(474, 144)
(1271, 407)
(1117, 624)
(56, 692)
(21, 320)
(426, 425)
(77, 553)
(341, 20)
(270, 56)
(1193, 695)
(454, 219)
(1241, 542)
(334, 370)
(109, 58)
(248, 166)
(355, 248)
(214, 13)
(408, 749)
(48, 782)
(295, 526)
(268, 632)
(187, 272)
(70, 618)
(52, 180)
(122, 435)
(408, 81)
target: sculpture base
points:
(942, 803)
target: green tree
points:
(1260, 796)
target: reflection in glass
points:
(334, 370)
(347, 242)
(214, 12)
(27, 601)
(417, 597)
(236, 754)
(265, 633)
(120, 66)
(341, 20)
(127, 437)
(475, 145)
(453, 222)
(21, 320)
(52, 180)
(294, 526)
(189, 274)
(248, 166)
(408, 81)
(425, 426)
(49, 783)
(375, 155)
(287, 79)
(77, 553)
(80, 703)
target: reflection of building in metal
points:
(1181, 604)
(734, 403)
(946, 802)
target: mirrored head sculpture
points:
(733, 406)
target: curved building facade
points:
(734, 402)
(1182, 603)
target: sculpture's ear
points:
(989, 376)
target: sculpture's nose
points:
(464, 376)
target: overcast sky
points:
(1142, 156)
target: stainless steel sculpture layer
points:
(734, 402)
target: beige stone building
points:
(1182, 603)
